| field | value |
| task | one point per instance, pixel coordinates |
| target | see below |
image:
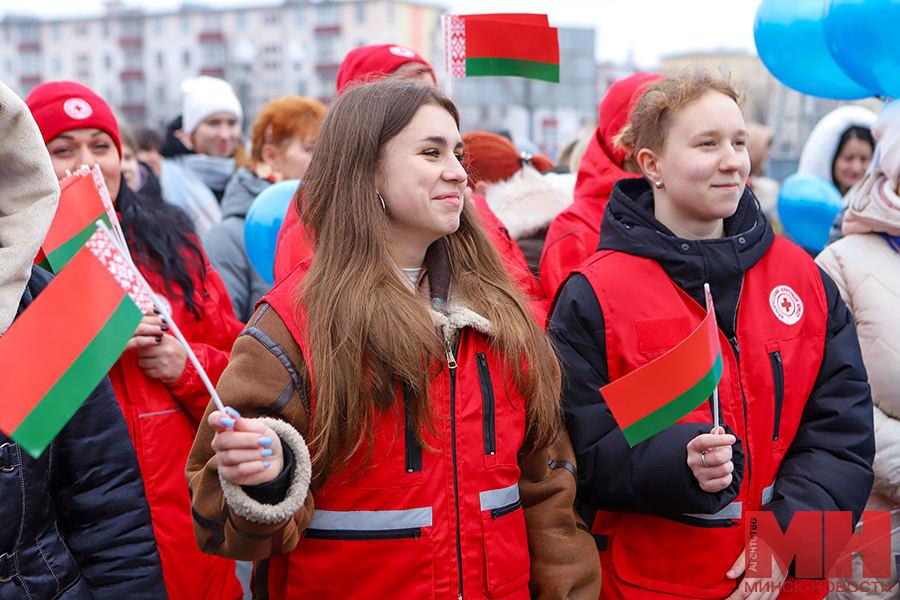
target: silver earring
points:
(658, 184)
(383, 207)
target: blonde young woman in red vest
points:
(670, 513)
(407, 359)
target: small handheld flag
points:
(655, 396)
(81, 204)
(61, 347)
(519, 45)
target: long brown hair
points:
(364, 328)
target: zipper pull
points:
(734, 344)
(778, 357)
(451, 360)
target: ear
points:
(648, 162)
(271, 156)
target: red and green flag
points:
(59, 349)
(518, 45)
(657, 395)
(82, 201)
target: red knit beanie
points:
(616, 109)
(490, 157)
(59, 106)
(371, 63)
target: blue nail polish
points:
(267, 452)
(226, 422)
(264, 441)
(232, 412)
(267, 465)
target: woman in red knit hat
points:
(159, 390)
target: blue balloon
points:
(807, 206)
(263, 222)
(791, 43)
(862, 38)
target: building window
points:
(212, 56)
(272, 19)
(9, 66)
(328, 13)
(301, 88)
(83, 66)
(212, 21)
(390, 12)
(360, 13)
(29, 63)
(133, 60)
(186, 58)
(241, 19)
(158, 25)
(29, 34)
(326, 49)
(57, 65)
(81, 29)
(161, 94)
(131, 28)
(133, 92)
(57, 31)
(300, 16)
(7, 34)
(107, 62)
(185, 23)
(160, 60)
(105, 28)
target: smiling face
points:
(703, 167)
(217, 135)
(87, 146)
(851, 164)
(422, 183)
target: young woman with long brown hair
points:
(407, 358)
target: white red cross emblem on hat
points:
(78, 108)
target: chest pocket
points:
(500, 445)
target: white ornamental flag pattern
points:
(106, 252)
(100, 184)
(455, 45)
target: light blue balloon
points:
(862, 37)
(263, 222)
(807, 206)
(791, 43)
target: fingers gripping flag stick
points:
(61, 347)
(655, 396)
(519, 45)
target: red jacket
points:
(452, 511)
(162, 420)
(575, 232)
(292, 248)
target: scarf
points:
(188, 182)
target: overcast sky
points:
(643, 29)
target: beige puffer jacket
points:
(866, 268)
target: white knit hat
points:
(204, 96)
(886, 130)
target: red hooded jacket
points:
(575, 232)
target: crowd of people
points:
(414, 408)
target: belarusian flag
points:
(82, 201)
(655, 396)
(59, 349)
(520, 45)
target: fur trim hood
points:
(29, 193)
(528, 201)
(821, 146)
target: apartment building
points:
(136, 58)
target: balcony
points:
(328, 69)
(131, 74)
(29, 47)
(134, 112)
(131, 41)
(328, 30)
(213, 72)
(29, 81)
(212, 37)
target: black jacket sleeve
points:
(101, 506)
(653, 477)
(828, 467)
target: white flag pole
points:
(160, 306)
(715, 406)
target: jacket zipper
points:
(778, 378)
(502, 511)
(487, 396)
(385, 534)
(451, 365)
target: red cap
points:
(58, 106)
(371, 63)
(616, 109)
(490, 157)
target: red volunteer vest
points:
(392, 532)
(769, 371)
